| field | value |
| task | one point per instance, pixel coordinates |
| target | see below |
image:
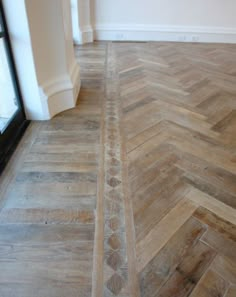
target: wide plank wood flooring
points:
(49, 196)
(133, 192)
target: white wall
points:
(171, 16)
(167, 12)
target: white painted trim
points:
(57, 85)
(144, 32)
(60, 94)
(85, 35)
(75, 72)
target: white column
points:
(82, 21)
(41, 36)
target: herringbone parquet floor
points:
(133, 193)
(179, 119)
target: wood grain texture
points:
(179, 122)
(155, 240)
(188, 272)
(211, 284)
(133, 192)
(47, 221)
(225, 267)
(231, 292)
(155, 274)
(220, 243)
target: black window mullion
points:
(17, 124)
(10, 60)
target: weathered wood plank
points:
(45, 216)
(225, 267)
(231, 292)
(220, 209)
(210, 285)
(161, 267)
(47, 221)
(220, 243)
(216, 223)
(149, 217)
(188, 272)
(158, 237)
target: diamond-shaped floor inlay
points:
(114, 207)
(114, 261)
(113, 182)
(114, 241)
(114, 223)
(115, 162)
(115, 284)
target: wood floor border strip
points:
(115, 263)
(98, 255)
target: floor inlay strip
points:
(115, 251)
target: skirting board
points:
(85, 35)
(164, 33)
(60, 94)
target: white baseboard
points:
(85, 35)
(60, 94)
(122, 32)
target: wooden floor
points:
(133, 192)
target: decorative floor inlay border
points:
(115, 251)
